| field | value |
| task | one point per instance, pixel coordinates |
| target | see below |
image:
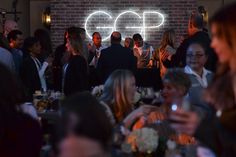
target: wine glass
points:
(147, 95)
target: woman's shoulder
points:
(78, 59)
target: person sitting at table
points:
(196, 57)
(85, 130)
(176, 85)
(20, 134)
(118, 97)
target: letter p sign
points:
(127, 23)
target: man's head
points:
(73, 32)
(9, 25)
(195, 23)
(138, 40)
(15, 39)
(115, 38)
(97, 39)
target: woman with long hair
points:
(166, 49)
(76, 70)
(118, 98)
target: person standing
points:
(76, 70)
(33, 71)
(15, 39)
(115, 57)
(142, 50)
(95, 49)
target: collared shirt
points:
(201, 79)
(97, 55)
(143, 54)
(141, 49)
(41, 70)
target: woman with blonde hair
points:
(166, 49)
(118, 98)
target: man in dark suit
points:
(115, 57)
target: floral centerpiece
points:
(97, 91)
(143, 141)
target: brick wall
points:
(65, 13)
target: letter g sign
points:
(127, 22)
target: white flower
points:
(171, 144)
(97, 90)
(143, 140)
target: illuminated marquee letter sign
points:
(127, 22)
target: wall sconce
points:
(46, 18)
(204, 14)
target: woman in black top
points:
(76, 71)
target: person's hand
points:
(91, 47)
(142, 111)
(150, 64)
(49, 60)
(184, 121)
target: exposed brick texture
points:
(65, 13)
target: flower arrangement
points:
(144, 140)
(97, 91)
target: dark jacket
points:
(76, 76)
(219, 133)
(30, 77)
(57, 67)
(22, 137)
(115, 57)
